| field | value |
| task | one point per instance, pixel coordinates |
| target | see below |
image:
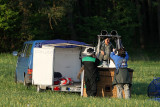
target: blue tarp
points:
(154, 88)
(57, 41)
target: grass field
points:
(12, 94)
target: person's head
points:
(121, 52)
(107, 41)
(90, 52)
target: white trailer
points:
(50, 59)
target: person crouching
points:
(121, 77)
(90, 63)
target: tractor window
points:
(28, 50)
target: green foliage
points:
(8, 18)
(82, 20)
(19, 95)
(117, 15)
(122, 17)
(26, 20)
(90, 27)
(39, 30)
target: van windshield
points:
(27, 50)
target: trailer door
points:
(43, 66)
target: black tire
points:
(25, 83)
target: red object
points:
(29, 71)
(56, 88)
(56, 82)
(66, 81)
(70, 81)
(63, 81)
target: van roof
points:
(32, 41)
(64, 43)
(58, 43)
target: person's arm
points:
(112, 55)
(127, 57)
(102, 48)
(79, 74)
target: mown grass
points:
(12, 94)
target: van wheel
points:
(38, 88)
(25, 83)
(15, 78)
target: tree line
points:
(137, 21)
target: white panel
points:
(112, 65)
(43, 66)
(67, 62)
(82, 82)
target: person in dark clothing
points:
(90, 63)
(121, 78)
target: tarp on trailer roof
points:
(72, 43)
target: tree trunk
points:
(70, 22)
(141, 35)
(151, 27)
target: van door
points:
(43, 63)
(22, 63)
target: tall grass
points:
(12, 94)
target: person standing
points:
(121, 76)
(90, 63)
(105, 50)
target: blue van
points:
(23, 73)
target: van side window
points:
(28, 50)
(39, 45)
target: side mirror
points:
(15, 53)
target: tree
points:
(158, 14)
(8, 25)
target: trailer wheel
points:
(38, 88)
